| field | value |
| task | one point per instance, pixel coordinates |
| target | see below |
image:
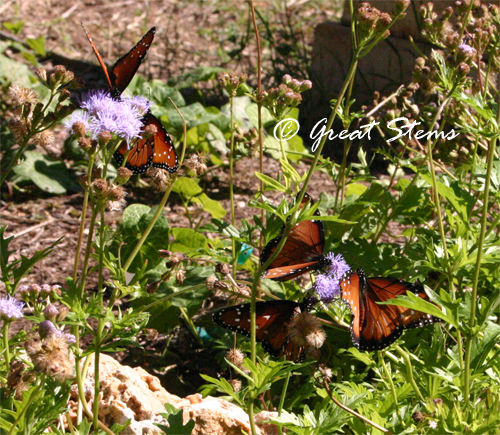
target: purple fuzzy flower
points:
(139, 103)
(328, 289)
(327, 285)
(337, 267)
(101, 113)
(47, 328)
(467, 50)
(10, 309)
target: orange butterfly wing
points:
(157, 150)
(302, 252)
(273, 318)
(126, 66)
(374, 326)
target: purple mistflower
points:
(328, 289)
(101, 113)
(337, 267)
(47, 328)
(10, 309)
(140, 103)
(467, 50)
(327, 285)
(78, 116)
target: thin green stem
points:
(231, 186)
(475, 280)
(81, 395)
(409, 372)
(5, 333)
(97, 358)
(253, 345)
(83, 216)
(156, 216)
(88, 249)
(389, 378)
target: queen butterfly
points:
(374, 326)
(302, 251)
(157, 151)
(272, 324)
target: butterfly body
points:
(157, 151)
(301, 253)
(375, 326)
(272, 322)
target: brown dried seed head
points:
(44, 139)
(235, 356)
(42, 74)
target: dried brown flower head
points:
(42, 74)
(211, 282)
(19, 128)
(305, 330)
(236, 384)
(222, 268)
(180, 276)
(196, 163)
(44, 139)
(52, 356)
(235, 356)
(161, 177)
(22, 96)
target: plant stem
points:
(389, 379)
(409, 371)
(350, 411)
(5, 333)
(83, 216)
(231, 186)
(253, 346)
(83, 277)
(477, 268)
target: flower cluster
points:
(32, 120)
(10, 309)
(327, 285)
(103, 114)
(231, 81)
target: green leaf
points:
(175, 419)
(192, 77)
(15, 28)
(188, 187)
(46, 173)
(271, 182)
(416, 303)
(37, 45)
(210, 205)
(136, 219)
(187, 240)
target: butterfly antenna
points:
(99, 58)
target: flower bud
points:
(45, 291)
(180, 276)
(173, 261)
(104, 138)
(63, 312)
(50, 312)
(124, 175)
(42, 74)
(222, 268)
(46, 328)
